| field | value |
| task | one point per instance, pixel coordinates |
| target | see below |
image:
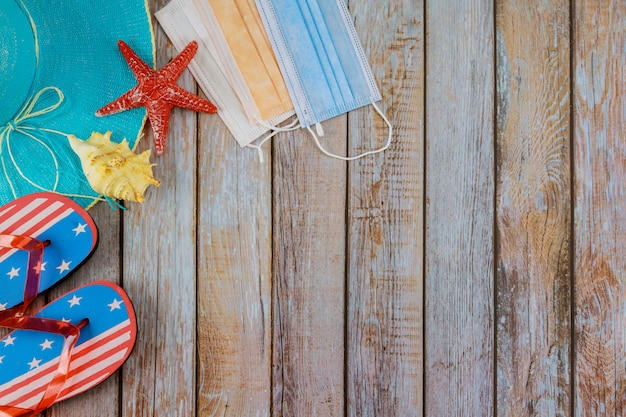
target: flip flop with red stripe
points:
(41, 222)
(68, 347)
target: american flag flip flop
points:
(40, 368)
(69, 232)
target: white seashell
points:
(112, 169)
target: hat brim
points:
(79, 69)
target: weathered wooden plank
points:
(533, 208)
(385, 219)
(234, 276)
(102, 400)
(309, 271)
(600, 207)
(159, 259)
(459, 221)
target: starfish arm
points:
(180, 97)
(128, 100)
(176, 67)
(159, 115)
(136, 64)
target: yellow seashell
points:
(112, 169)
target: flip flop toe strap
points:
(71, 333)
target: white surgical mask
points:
(182, 22)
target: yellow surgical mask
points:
(256, 65)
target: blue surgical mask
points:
(321, 59)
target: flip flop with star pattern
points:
(69, 346)
(43, 238)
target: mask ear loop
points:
(352, 158)
(275, 129)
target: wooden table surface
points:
(475, 268)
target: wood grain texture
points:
(459, 333)
(234, 276)
(159, 271)
(308, 274)
(600, 207)
(385, 219)
(438, 278)
(533, 208)
(104, 265)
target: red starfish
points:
(158, 92)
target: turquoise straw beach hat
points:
(59, 63)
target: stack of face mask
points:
(262, 61)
